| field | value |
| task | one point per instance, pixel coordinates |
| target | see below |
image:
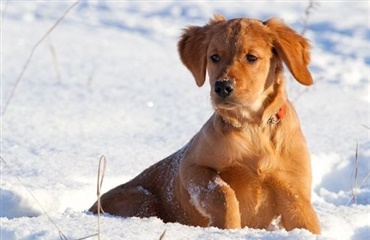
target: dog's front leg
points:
(213, 198)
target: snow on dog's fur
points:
(249, 163)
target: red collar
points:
(274, 119)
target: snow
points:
(123, 92)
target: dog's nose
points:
(224, 88)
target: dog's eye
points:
(251, 58)
(215, 58)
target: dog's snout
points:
(224, 88)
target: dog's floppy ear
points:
(192, 48)
(292, 48)
(193, 52)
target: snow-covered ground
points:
(122, 91)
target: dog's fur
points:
(249, 163)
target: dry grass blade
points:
(357, 186)
(11, 95)
(102, 161)
(365, 178)
(55, 60)
(62, 236)
(354, 189)
(312, 4)
(162, 235)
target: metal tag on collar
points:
(274, 119)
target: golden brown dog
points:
(249, 164)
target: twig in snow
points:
(62, 236)
(354, 189)
(102, 164)
(162, 235)
(55, 60)
(365, 178)
(362, 182)
(31, 54)
(103, 161)
(357, 186)
(312, 5)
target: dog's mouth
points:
(237, 113)
(228, 107)
(227, 104)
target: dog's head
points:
(244, 58)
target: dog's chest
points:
(254, 194)
(252, 149)
(255, 162)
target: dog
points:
(249, 163)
